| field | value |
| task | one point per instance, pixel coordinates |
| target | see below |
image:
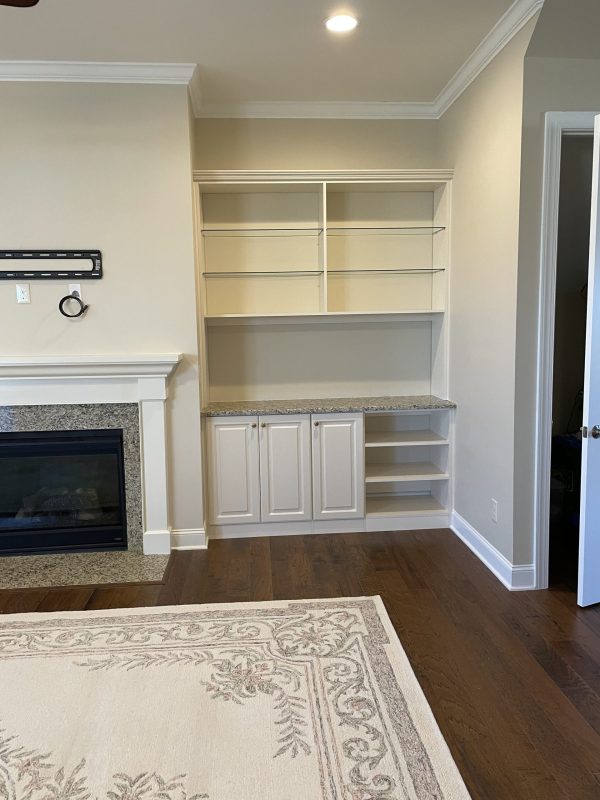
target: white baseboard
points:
(189, 539)
(364, 524)
(157, 543)
(514, 576)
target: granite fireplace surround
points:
(51, 393)
(123, 416)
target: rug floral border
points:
(310, 631)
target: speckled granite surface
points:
(92, 417)
(80, 569)
(326, 405)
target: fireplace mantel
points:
(160, 365)
(104, 379)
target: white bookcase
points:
(407, 463)
(331, 247)
(333, 284)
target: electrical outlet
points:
(23, 295)
(494, 510)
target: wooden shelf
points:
(399, 505)
(408, 472)
(404, 439)
(320, 316)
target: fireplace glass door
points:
(62, 491)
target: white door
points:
(588, 590)
(285, 480)
(338, 466)
(233, 478)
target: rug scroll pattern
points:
(321, 665)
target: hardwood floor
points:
(513, 678)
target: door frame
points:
(556, 124)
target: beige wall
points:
(316, 144)
(108, 167)
(551, 84)
(481, 138)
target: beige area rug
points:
(80, 569)
(309, 700)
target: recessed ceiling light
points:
(341, 23)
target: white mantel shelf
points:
(87, 379)
(88, 366)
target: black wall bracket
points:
(86, 265)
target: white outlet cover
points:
(23, 294)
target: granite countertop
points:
(326, 405)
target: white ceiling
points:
(249, 51)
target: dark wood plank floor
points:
(513, 678)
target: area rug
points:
(309, 700)
(80, 569)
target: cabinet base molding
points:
(403, 523)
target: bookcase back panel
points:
(343, 360)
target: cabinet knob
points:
(263, 424)
(254, 425)
(316, 424)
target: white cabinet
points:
(285, 470)
(338, 466)
(266, 469)
(234, 477)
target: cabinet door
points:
(285, 480)
(234, 488)
(338, 466)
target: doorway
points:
(572, 264)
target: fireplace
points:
(62, 491)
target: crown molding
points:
(96, 72)
(332, 175)
(507, 27)
(520, 12)
(319, 109)
(514, 19)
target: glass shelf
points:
(399, 271)
(366, 230)
(273, 273)
(282, 232)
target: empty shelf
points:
(411, 471)
(389, 230)
(398, 505)
(283, 232)
(403, 438)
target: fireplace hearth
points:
(62, 491)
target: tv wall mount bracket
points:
(43, 265)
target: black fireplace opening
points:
(62, 491)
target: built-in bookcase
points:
(324, 248)
(407, 463)
(263, 249)
(323, 286)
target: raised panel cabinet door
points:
(338, 466)
(234, 478)
(285, 470)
